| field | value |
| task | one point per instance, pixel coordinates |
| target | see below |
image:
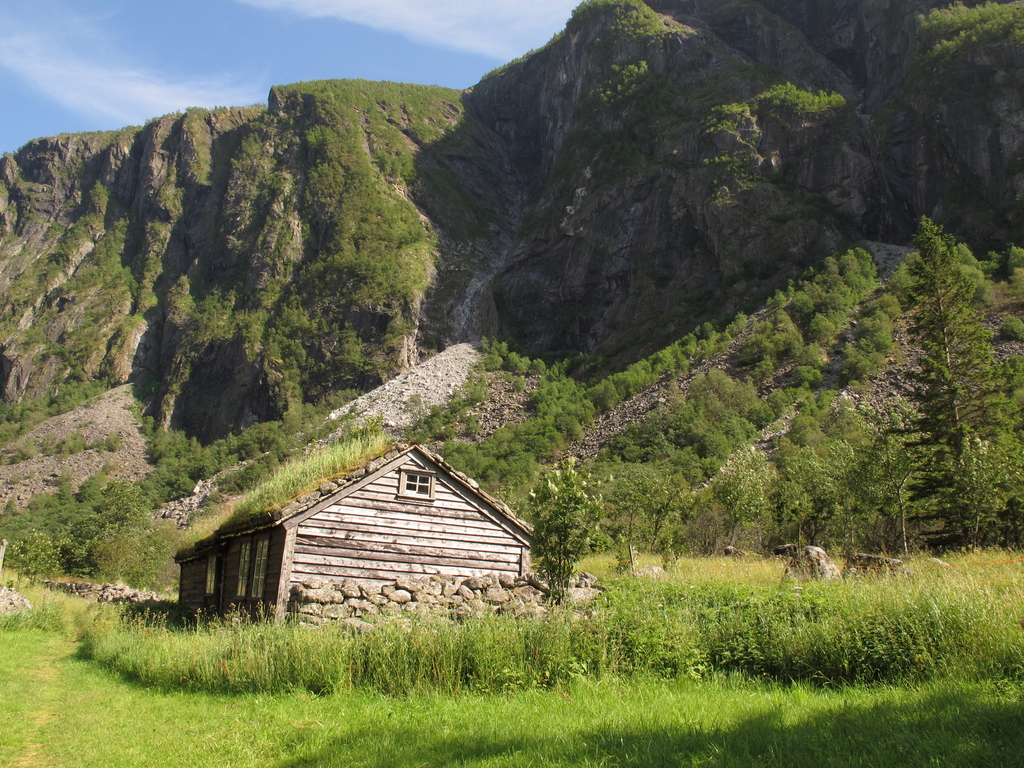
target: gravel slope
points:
(108, 414)
(401, 401)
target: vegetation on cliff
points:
(949, 32)
(845, 473)
(279, 247)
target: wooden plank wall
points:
(230, 576)
(192, 586)
(371, 535)
(274, 558)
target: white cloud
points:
(502, 29)
(116, 92)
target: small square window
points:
(417, 485)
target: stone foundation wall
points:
(319, 602)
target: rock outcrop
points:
(812, 563)
(861, 565)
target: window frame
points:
(244, 563)
(259, 576)
(404, 480)
(211, 575)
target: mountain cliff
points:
(655, 166)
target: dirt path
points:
(33, 696)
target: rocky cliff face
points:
(685, 157)
(656, 166)
(227, 262)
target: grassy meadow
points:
(720, 663)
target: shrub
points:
(72, 444)
(565, 518)
(821, 329)
(807, 375)
(1012, 328)
(35, 555)
(24, 450)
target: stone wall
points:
(318, 602)
(103, 593)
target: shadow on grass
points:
(947, 729)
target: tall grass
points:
(50, 613)
(59, 711)
(852, 633)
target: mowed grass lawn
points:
(59, 710)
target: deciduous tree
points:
(565, 521)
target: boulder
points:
(496, 595)
(335, 611)
(370, 591)
(349, 588)
(529, 594)
(357, 625)
(585, 580)
(324, 594)
(731, 551)
(812, 563)
(409, 583)
(103, 593)
(536, 582)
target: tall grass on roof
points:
(302, 475)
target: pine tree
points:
(959, 386)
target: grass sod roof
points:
(295, 488)
(263, 506)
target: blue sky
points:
(84, 65)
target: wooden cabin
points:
(406, 513)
